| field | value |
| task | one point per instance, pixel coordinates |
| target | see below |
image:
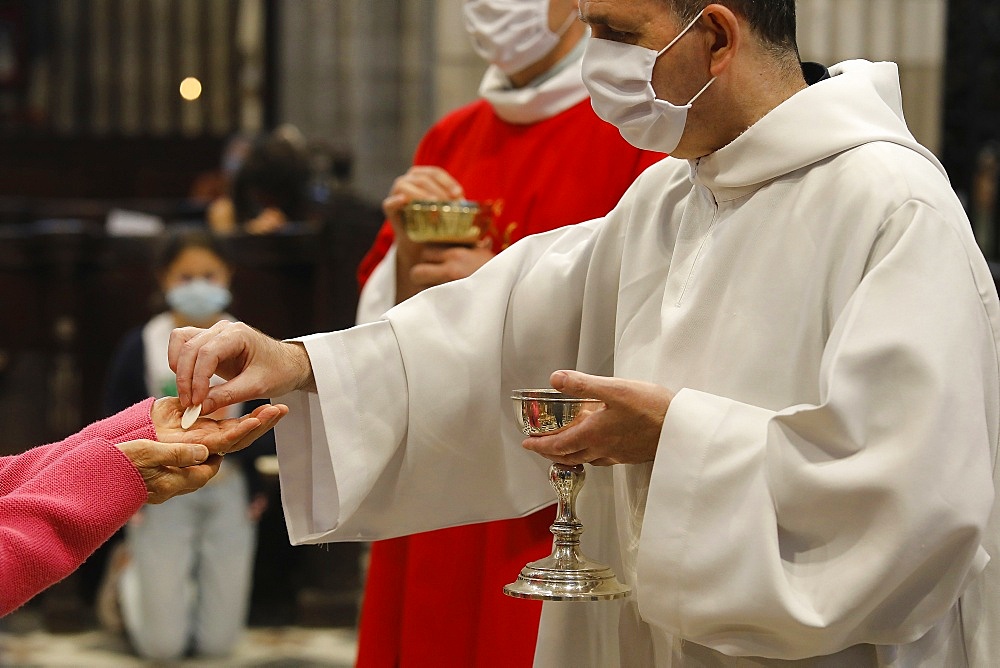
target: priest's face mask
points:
(513, 34)
(618, 72)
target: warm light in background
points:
(190, 89)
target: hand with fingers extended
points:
(219, 436)
(181, 461)
(254, 365)
(625, 430)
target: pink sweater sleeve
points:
(59, 502)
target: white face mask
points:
(619, 78)
(512, 34)
(198, 299)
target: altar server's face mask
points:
(619, 78)
(198, 299)
(512, 34)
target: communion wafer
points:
(191, 413)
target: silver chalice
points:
(564, 575)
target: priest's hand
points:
(219, 436)
(254, 365)
(443, 264)
(625, 430)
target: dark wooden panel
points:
(112, 167)
(69, 293)
(972, 106)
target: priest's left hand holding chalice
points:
(625, 430)
(582, 421)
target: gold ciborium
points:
(564, 575)
(458, 222)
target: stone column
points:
(458, 69)
(910, 33)
(373, 75)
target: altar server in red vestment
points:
(525, 146)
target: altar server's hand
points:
(420, 182)
(219, 436)
(625, 430)
(254, 365)
(415, 269)
(443, 264)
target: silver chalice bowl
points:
(564, 575)
(458, 222)
(542, 412)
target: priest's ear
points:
(724, 32)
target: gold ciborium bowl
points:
(542, 412)
(452, 222)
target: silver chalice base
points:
(565, 575)
(559, 579)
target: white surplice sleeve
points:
(802, 531)
(379, 293)
(412, 427)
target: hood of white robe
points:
(860, 103)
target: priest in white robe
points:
(795, 336)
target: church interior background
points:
(91, 124)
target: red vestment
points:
(436, 599)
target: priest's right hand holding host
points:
(624, 430)
(253, 364)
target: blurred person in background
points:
(214, 185)
(269, 190)
(183, 580)
(526, 146)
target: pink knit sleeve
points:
(59, 502)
